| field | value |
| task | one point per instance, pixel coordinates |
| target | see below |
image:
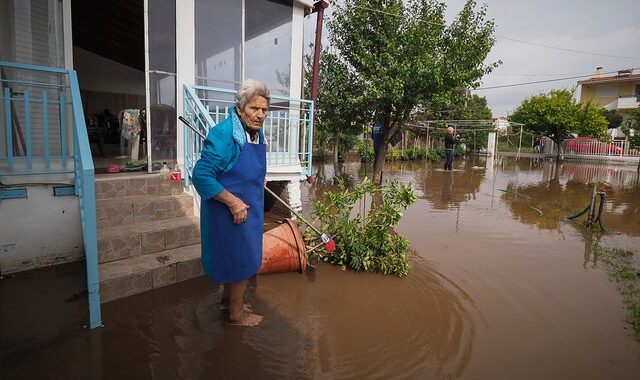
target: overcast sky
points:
(609, 27)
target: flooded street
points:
(501, 287)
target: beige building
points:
(614, 92)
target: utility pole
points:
(318, 7)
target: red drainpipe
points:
(318, 7)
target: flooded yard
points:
(501, 286)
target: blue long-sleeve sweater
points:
(221, 151)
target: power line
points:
(564, 49)
(541, 81)
(536, 75)
(505, 37)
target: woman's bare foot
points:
(224, 306)
(245, 319)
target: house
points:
(70, 68)
(619, 92)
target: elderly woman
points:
(229, 178)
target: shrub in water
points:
(366, 242)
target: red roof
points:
(614, 78)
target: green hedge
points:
(413, 153)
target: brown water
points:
(496, 291)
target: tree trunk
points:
(559, 155)
(336, 147)
(336, 165)
(378, 162)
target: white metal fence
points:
(592, 148)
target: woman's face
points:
(254, 112)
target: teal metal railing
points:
(41, 112)
(288, 128)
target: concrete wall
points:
(39, 230)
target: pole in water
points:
(592, 210)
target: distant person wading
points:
(230, 178)
(449, 143)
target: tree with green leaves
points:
(613, 118)
(633, 137)
(592, 122)
(341, 110)
(472, 107)
(555, 115)
(407, 57)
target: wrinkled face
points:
(254, 112)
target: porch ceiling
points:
(112, 29)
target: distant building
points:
(619, 92)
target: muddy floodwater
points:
(501, 287)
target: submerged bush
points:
(413, 153)
(366, 242)
(366, 153)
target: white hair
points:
(249, 89)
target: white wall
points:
(96, 73)
(39, 230)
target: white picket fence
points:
(592, 149)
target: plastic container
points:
(283, 250)
(165, 173)
(176, 179)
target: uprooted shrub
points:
(365, 240)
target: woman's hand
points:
(236, 206)
(239, 211)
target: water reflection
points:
(566, 188)
(547, 203)
(556, 190)
(445, 189)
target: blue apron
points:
(234, 251)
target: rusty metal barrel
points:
(283, 249)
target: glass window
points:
(162, 80)
(607, 91)
(268, 43)
(31, 32)
(218, 43)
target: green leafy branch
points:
(366, 241)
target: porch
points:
(46, 164)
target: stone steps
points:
(147, 238)
(142, 208)
(123, 242)
(123, 278)
(110, 186)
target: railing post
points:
(8, 126)
(87, 197)
(310, 146)
(27, 122)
